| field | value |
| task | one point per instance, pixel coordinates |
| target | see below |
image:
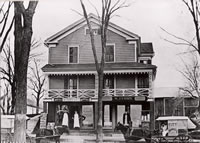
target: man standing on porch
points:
(126, 118)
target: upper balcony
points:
(92, 94)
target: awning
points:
(191, 125)
(122, 67)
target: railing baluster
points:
(90, 93)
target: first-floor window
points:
(88, 113)
(107, 116)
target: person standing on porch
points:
(65, 120)
(76, 120)
(126, 118)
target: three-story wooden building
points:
(72, 76)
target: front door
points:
(72, 110)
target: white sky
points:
(143, 17)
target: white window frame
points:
(70, 46)
(111, 44)
(93, 27)
(144, 59)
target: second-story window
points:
(109, 53)
(73, 54)
(95, 30)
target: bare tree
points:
(8, 73)
(108, 10)
(191, 73)
(37, 81)
(193, 7)
(23, 34)
(8, 70)
(5, 103)
(5, 25)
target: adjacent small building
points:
(72, 78)
(172, 101)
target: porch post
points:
(114, 117)
(150, 85)
(96, 103)
(45, 107)
(136, 85)
(96, 84)
(151, 100)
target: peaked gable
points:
(82, 22)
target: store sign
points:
(123, 98)
(129, 98)
(57, 99)
(173, 128)
(43, 121)
(140, 98)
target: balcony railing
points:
(92, 93)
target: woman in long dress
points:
(76, 120)
(65, 120)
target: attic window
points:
(96, 31)
(145, 61)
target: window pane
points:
(135, 112)
(73, 54)
(109, 82)
(109, 53)
(120, 112)
(87, 112)
(107, 116)
(143, 81)
(190, 102)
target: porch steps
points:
(89, 136)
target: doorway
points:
(72, 110)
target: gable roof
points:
(163, 92)
(82, 22)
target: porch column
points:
(114, 116)
(95, 115)
(96, 84)
(136, 85)
(150, 85)
(152, 119)
(151, 100)
(45, 107)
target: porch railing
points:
(92, 93)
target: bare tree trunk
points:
(23, 34)
(13, 100)
(100, 107)
(37, 103)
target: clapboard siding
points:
(59, 54)
(123, 51)
(87, 82)
(125, 81)
(56, 82)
